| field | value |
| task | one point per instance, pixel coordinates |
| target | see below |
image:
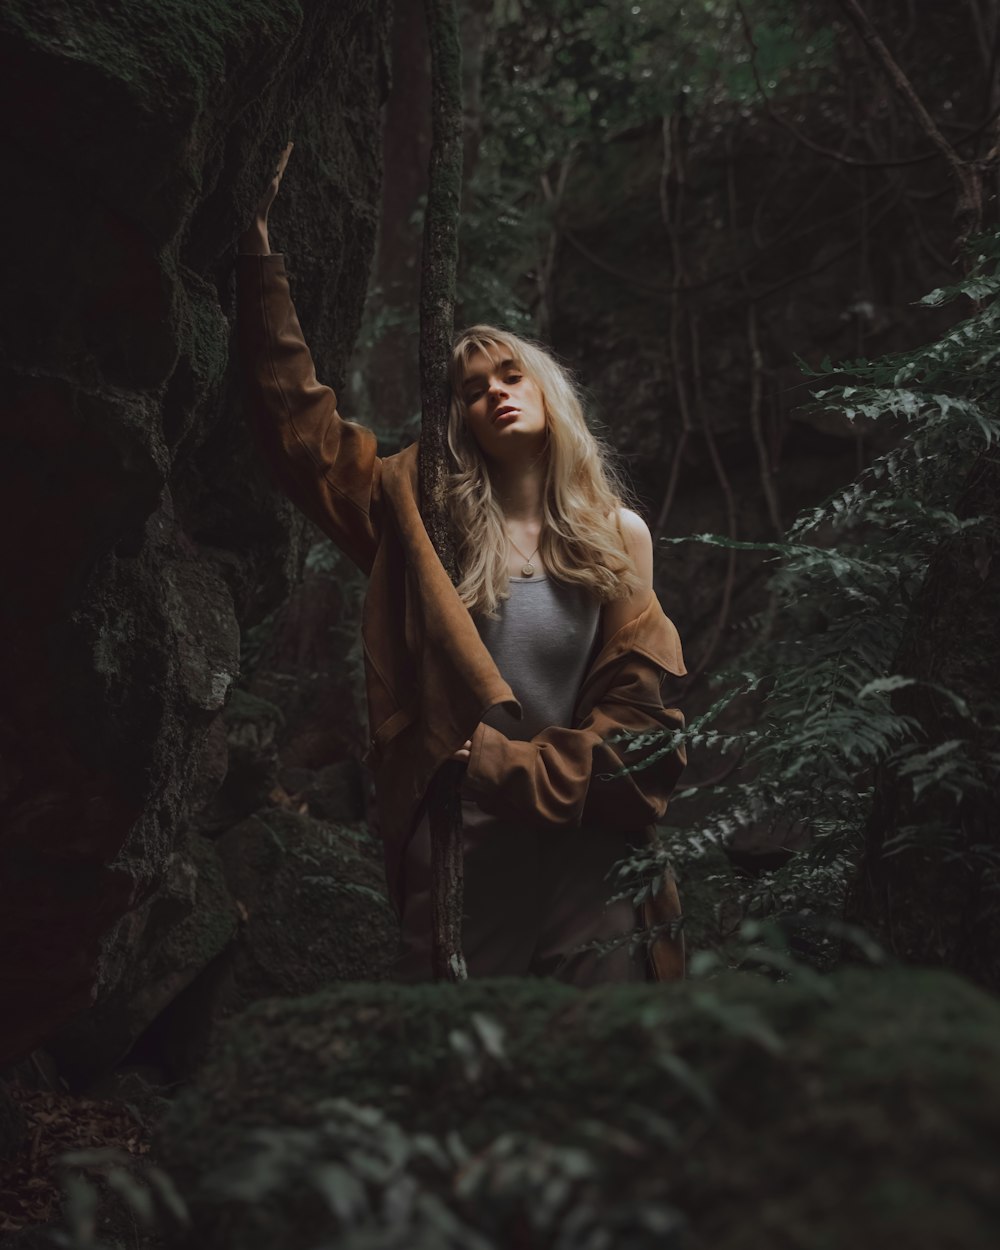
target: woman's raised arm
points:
(327, 466)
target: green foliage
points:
(844, 583)
(569, 72)
(385, 1187)
(563, 78)
(516, 1112)
(146, 1192)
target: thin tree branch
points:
(552, 200)
(676, 367)
(732, 522)
(982, 39)
(756, 359)
(767, 292)
(664, 292)
(831, 153)
(969, 209)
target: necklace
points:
(527, 569)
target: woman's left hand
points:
(254, 239)
(463, 752)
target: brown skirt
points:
(533, 898)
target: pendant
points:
(528, 569)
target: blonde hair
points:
(581, 539)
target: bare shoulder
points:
(638, 541)
(639, 544)
(635, 529)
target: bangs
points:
(496, 347)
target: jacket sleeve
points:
(566, 777)
(327, 466)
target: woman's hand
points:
(254, 238)
(463, 752)
(269, 196)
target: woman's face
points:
(503, 407)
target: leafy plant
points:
(147, 1192)
(846, 577)
(384, 1187)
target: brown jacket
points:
(429, 677)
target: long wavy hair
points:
(581, 538)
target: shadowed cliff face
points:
(138, 530)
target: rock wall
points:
(139, 532)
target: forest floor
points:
(115, 1129)
(111, 1126)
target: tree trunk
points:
(437, 313)
(391, 373)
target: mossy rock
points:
(837, 1113)
(260, 715)
(164, 946)
(312, 911)
(312, 895)
(250, 729)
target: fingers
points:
(267, 199)
(463, 751)
(283, 159)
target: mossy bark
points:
(437, 317)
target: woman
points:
(555, 597)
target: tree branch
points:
(969, 210)
(831, 153)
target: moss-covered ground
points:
(848, 1111)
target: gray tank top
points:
(541, 644)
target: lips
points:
(506, 411)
